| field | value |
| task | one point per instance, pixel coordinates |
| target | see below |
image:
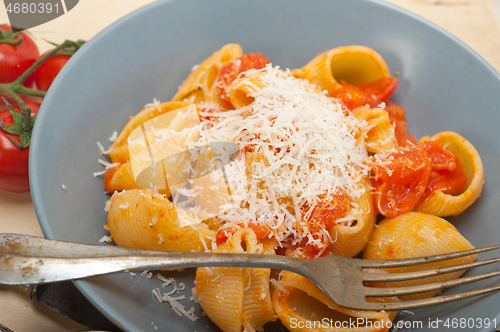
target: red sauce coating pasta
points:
(401, 182)
(447, 172)
(372, 93)
(230, 72)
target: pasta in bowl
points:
(321, 152)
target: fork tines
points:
(369, 276)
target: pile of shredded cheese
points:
(304, 145)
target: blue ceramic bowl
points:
(443, 85)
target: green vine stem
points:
(7, 37)
(7, 92)
(17, 87)
(23, 121)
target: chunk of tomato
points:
(351, 96)
(447, 172)
(380, 90)
(397, 115)
(230, 72)
(400, 181)
(327, 211)
(372, 93)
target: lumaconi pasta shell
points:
(120, 178)
(168, 135)
(257, 303)
(292, 284)
(146, 114)
(140, 219)
(205, 75)
(234, 297)
(441, 204)
(120, 154)
(417, 234)
(220, 293)
(354, 64)
(240, 91)
(351, 236)
(380, 136)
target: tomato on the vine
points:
(13, 160)
(15, 59)
(48, 70)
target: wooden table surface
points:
(473, 21)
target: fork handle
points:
(16, 269)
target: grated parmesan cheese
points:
(304, 146)
(176, 305)
(107, 205)
(124, 206)
(108, 165)
(113, 136)
(407, 312)
(106, 239)
(101, 148)
(155, 103)
(96, 174)
(278, 285)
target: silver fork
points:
(33, 260)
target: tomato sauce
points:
(401, 182)
(230, 72)
(447, 172)
(223, 234)
(373, 93)
(306, 251)
(397, 115)
(326, 212)
(407, 177)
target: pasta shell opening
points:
(357, 65)
(441, 204)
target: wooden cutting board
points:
(472, 21)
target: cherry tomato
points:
(323, 217)
(372, 93)
(15, 59)
(397, 116)
(351, 96)
(447, 172)
(48, 70)
(400, 182)
(14, 161)
(379, 91)
(230, 72)
(395, 111)
(326, 212)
